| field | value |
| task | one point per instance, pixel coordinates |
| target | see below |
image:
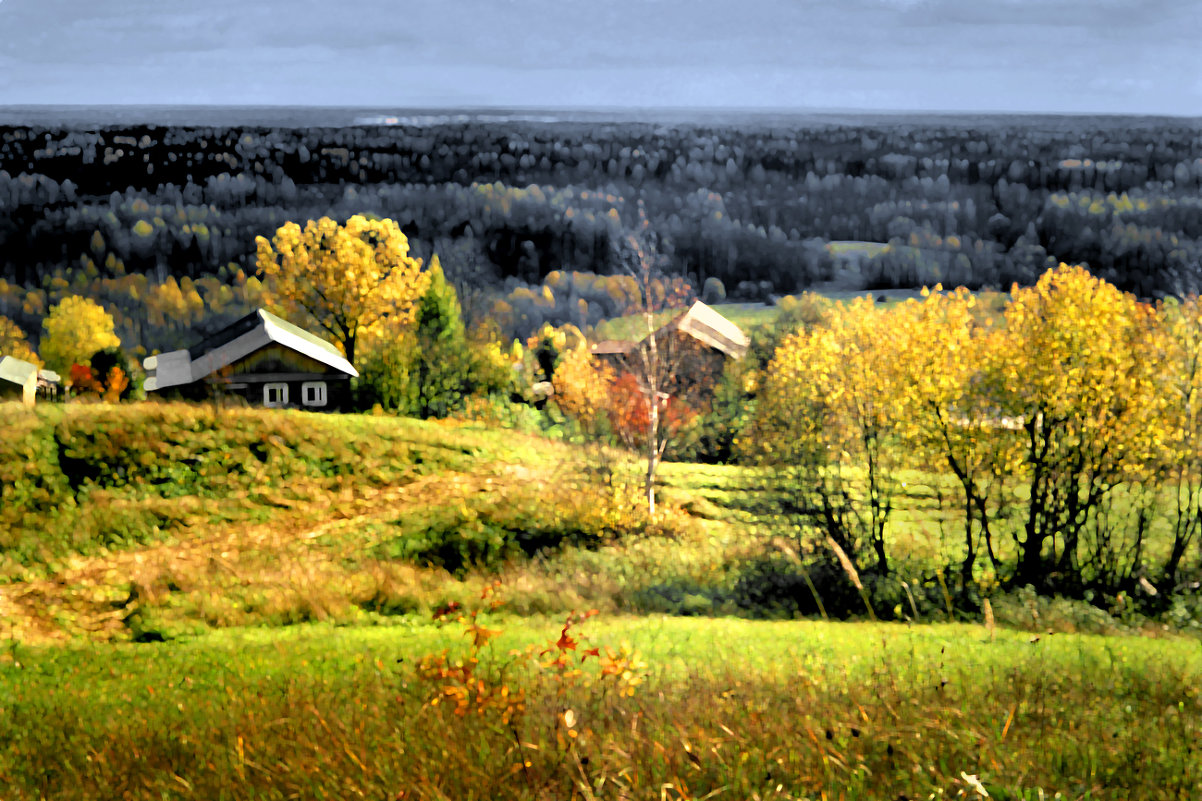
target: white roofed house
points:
(711, 330)
(701, 326)
(694, 346)
(262, 358)
(18, 380)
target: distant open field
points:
(846, 249)
(634, 327)
(751, 315)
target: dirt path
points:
(91, 595)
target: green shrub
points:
(776, 585)
(491, 528)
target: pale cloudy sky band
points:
(1109, 56)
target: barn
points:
(261, 358)
(18, 380)
(700, 325)
(694, 347)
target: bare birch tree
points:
(655, 361)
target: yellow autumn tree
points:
(950, 418)
(825, 425)
(344, 278)
(583, 388)
(166, 306)
(1079, 372)
(13, 342)
(1180, 411)
(74, 330)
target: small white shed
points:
(18, 380)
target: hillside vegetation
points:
(208, 516)
(201, 601)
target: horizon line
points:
(600, 109)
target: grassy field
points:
(418, 515)
(749, 316)
(634, 327)
(274, 636)
(849, 248)
(717, 708)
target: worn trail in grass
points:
(260, 521)
(93, 595)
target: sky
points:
(1071, 56)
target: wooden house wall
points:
(274, 364)
(16, 392)
(278, 359)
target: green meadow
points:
(365, 606)
(720, 707)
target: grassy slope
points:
(309, 528)
(344, 542)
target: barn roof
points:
(700, 322)
(707, 325)
(236, 341)
(17, 371)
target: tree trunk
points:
(652, 414)
(652, 463)
(1030, 564)
(970, 554)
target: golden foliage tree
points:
(1180, 412)
(583, 387)
(343, 278)
(825, 425)
(75, 329)
(949, 418)
(1072, 426)
(1078, 372)
(13, 342)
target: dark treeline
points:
(159, 223)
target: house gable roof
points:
(17, 371)
(700, 322)
(704, 323)
(236, 341)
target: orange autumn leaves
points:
(472, 684)
(603, 400)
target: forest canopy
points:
(159, 224)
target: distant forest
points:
(159, 223)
